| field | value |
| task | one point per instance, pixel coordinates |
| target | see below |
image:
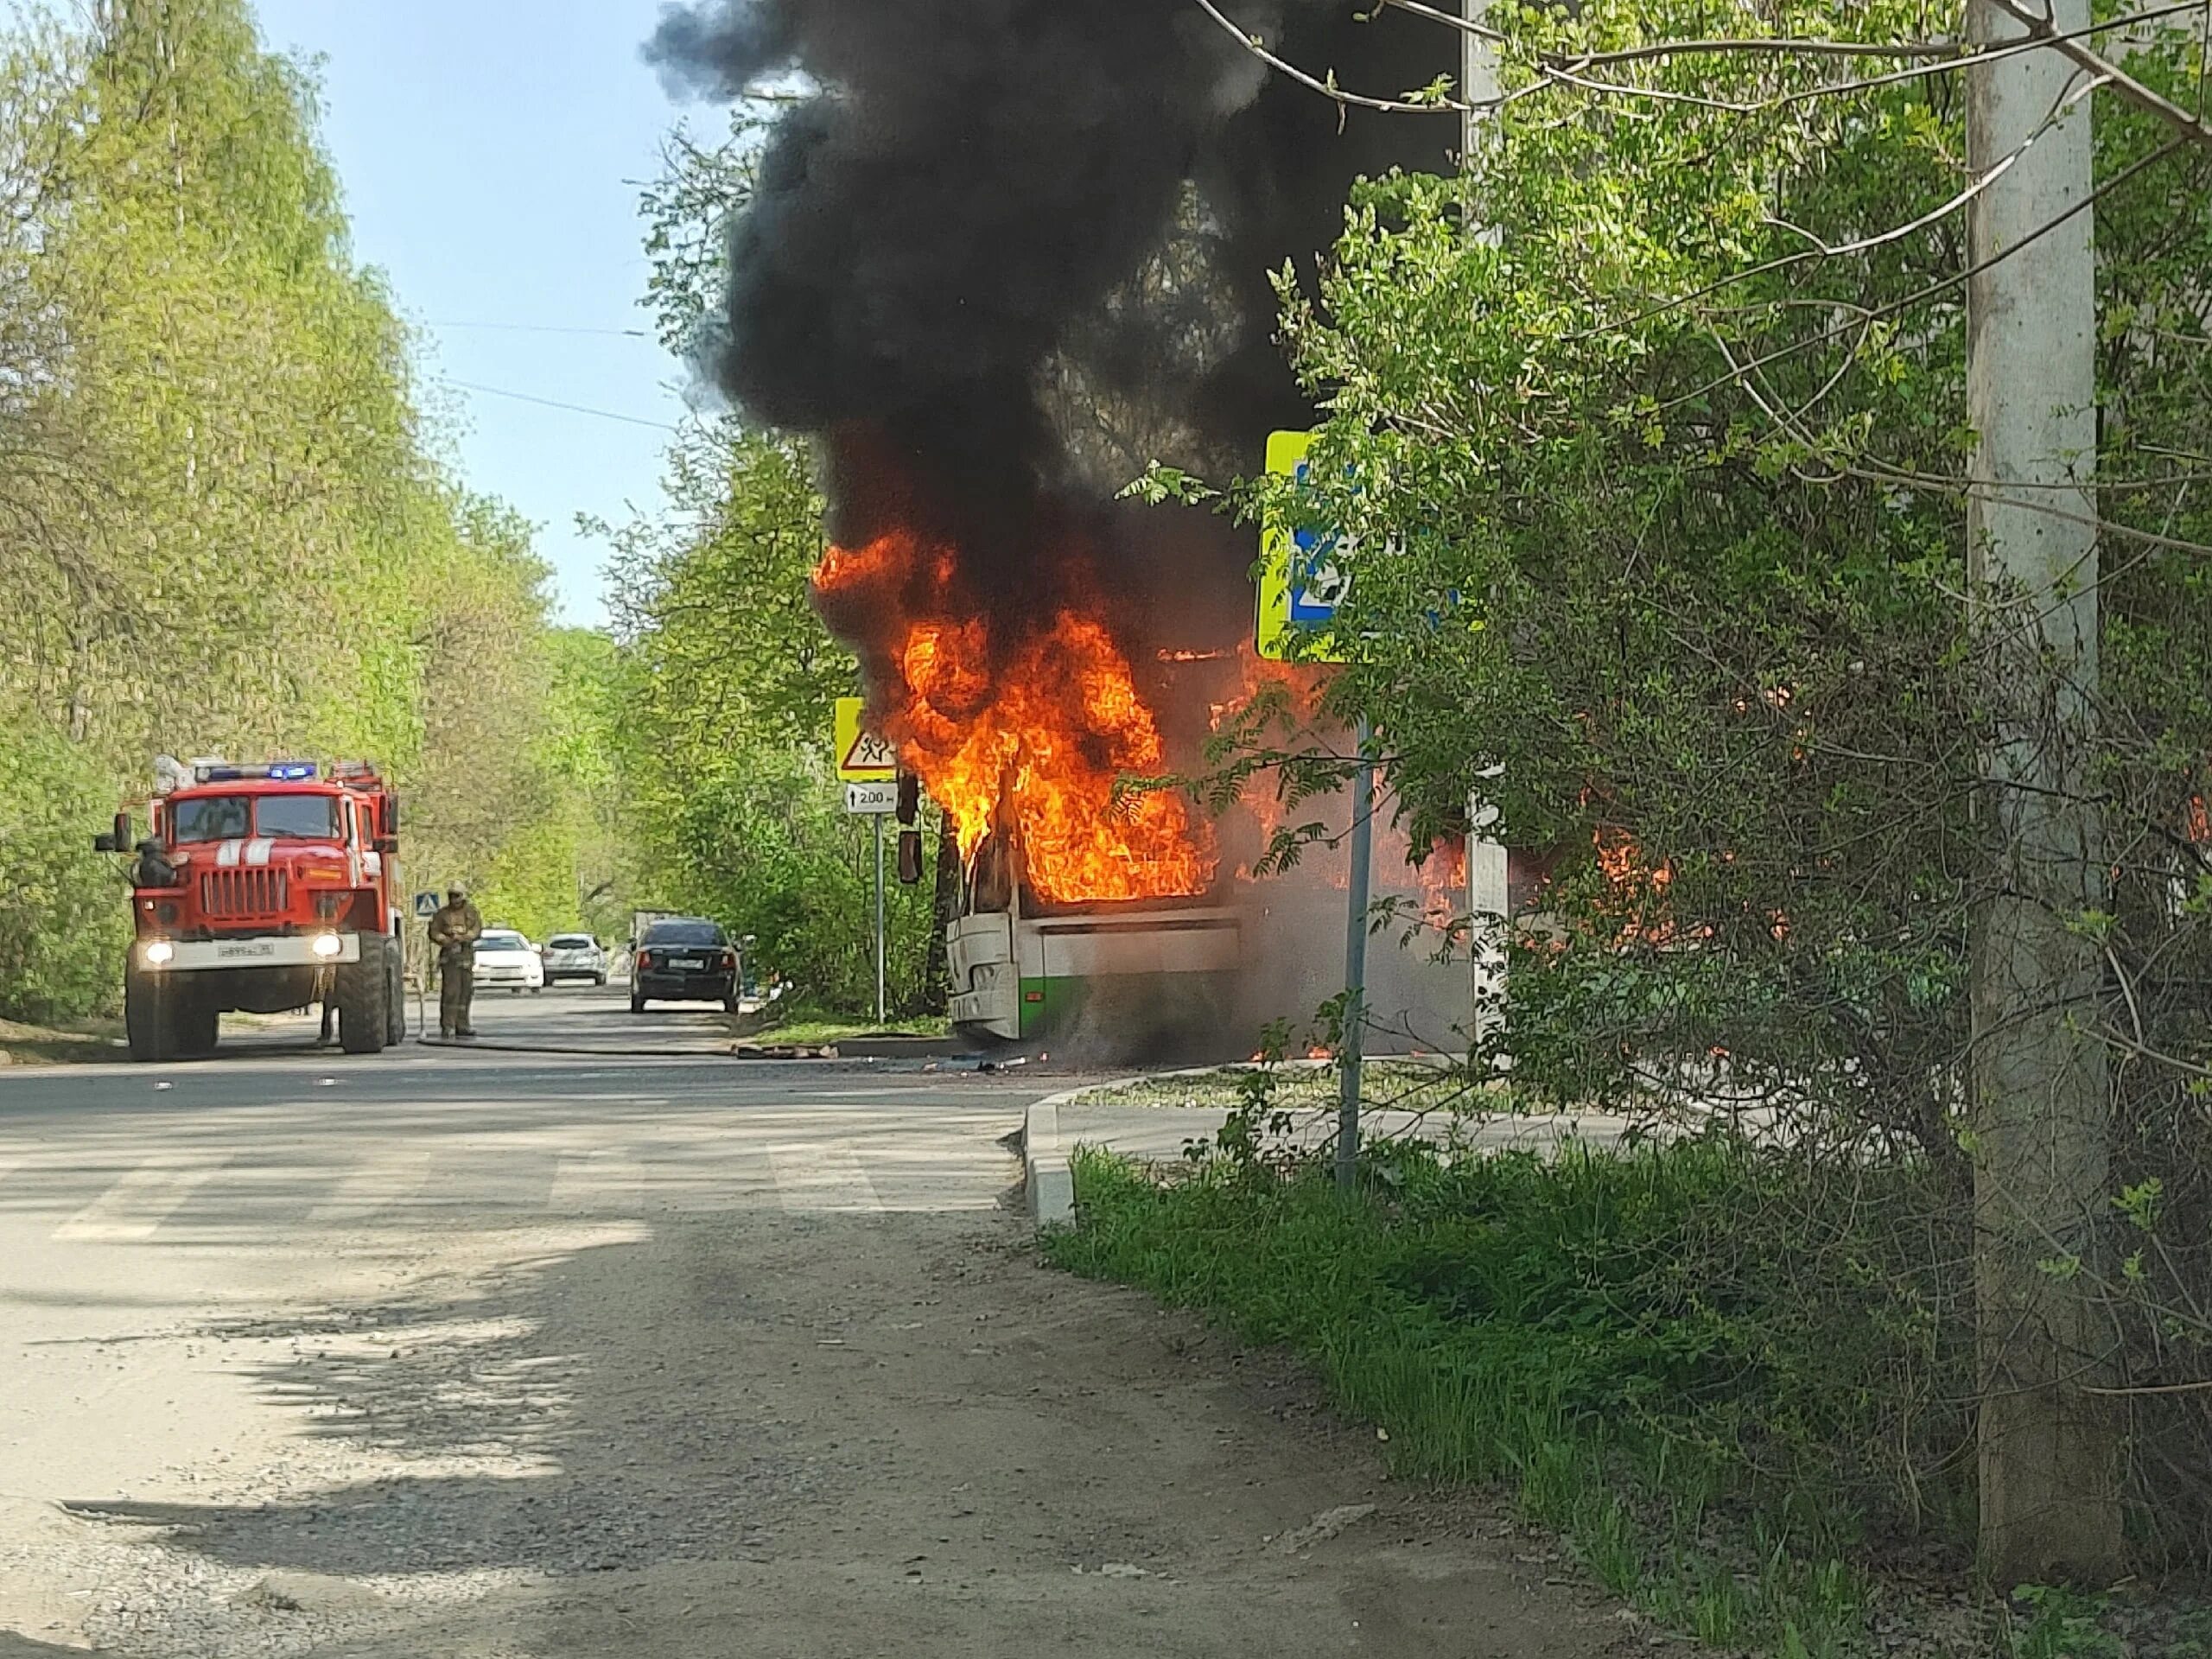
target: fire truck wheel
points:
(362, 993)
(149, 1017)
(196, 1023)
(395, 992)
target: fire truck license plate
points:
(246, 950)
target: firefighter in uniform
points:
(453, 933)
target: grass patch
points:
(86, 1043)
(1304, 1088)
(815, 1029)
(1725, 1386)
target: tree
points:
(228, 526)
(730, 684)
(1660, 413)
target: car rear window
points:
(698, 933)
(569, 942)
(503, 942)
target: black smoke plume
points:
(974, 201)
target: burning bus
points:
(1200, 976)
(1080, 892)
(1098, 900)
(1156, 973)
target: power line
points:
(573, 409)
(547, 328)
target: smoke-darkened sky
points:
(976, 182)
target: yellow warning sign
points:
(862, 757)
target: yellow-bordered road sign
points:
(862, 757)
(1301, 583)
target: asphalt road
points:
(503, 1355)
(575, 1015)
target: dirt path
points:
(804, 1437)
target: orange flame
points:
(1038, 732)
(1443, 877)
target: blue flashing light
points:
(284, 771)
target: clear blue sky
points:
(491, 151)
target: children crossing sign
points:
(862, 756)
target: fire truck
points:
(263, 889)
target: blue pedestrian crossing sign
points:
(426, 905)
(1304, 576)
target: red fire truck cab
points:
(264, 888)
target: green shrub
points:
(64, 915)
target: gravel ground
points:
(761, 1433)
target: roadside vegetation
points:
(1661, 410)
(228, 519)
(1738, 1385)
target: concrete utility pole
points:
(2040, 1106)
(1478, 80)
(1488, 872)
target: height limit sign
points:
(862, 756)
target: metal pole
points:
(1351, 1065)
(881, 1009)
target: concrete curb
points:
(1046, 1167)
(1045, 1156)
(1051, 1177)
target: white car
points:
(506, 961)
(574, 955)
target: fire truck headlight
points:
(327, 946)
(160, 954)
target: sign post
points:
(881, 933)
(1303, 579)
(426, 906)
(869, 767)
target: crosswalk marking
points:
(135, 1206)
(683, 1163)
(382, 1184)
(605, 1179)
(822, 1178)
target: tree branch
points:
(2130, 89)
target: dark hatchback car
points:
(684, 962)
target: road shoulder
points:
(830, 1435)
